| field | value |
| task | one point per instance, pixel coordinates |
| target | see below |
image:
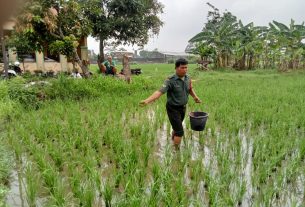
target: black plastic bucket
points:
(198, 120)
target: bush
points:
(69, 88)
(17, 92)
(26, 96)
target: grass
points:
(89, 141)
(6, 158)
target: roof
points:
(175, 53)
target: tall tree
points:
(123, 21)
(54, 25)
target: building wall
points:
(49, 66)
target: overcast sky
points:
(183, 19)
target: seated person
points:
(108, 66)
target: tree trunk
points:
(290, 64)
(23, 64)
(242, 64)
(102, 55)
(81, 65)
(5, 62)
(126, 69)
(251, 59)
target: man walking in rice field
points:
(178, 87)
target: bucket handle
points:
(197, 106)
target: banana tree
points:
(219, 32)
(248, 45)
(289, 39)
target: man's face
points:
(109, 59)
(181, 70)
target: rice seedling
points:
(88, 146)
(32, 179)
(107, 193)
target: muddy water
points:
(293, 193)
(247, 149)
(16, 195)
(201, 150)
(162, 141)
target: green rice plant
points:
(3, 192)
(87, 193)
(32, 179)
(40, 159)
(6, 158)
(169, 156)
(57, 157)
(107, 193)
(75, 182)
(129, 160)
(59, 197)
(88, 164)
(155, 192)
(240, 192)
(146, 155)
(118, 177)
(17, 146)
(196, 170)
(180, 192)
(50, 178)
(167, 181)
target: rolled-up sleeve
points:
(165, 86)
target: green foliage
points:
(65, 46)
(28, 97)
(50, 25)
(247, 46)
(7, 106)
(124, 21)
(24, 43)
(204, 51)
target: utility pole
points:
(4, 52)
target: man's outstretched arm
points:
(151, 98)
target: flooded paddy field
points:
(108, 151)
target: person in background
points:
(178, 87)
(108, 67)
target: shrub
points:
(26, 96)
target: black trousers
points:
(176, 115)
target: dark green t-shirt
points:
(177, 90)
(109, 66)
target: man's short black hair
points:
(181, 61)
